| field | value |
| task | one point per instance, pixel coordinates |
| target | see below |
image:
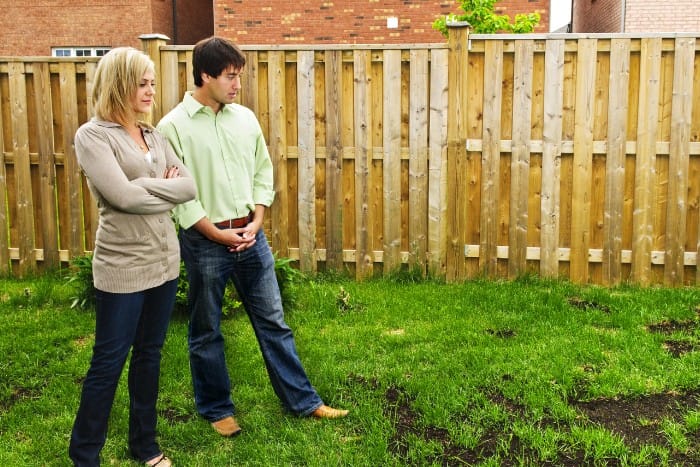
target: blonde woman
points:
(137, 180)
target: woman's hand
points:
(172, 172)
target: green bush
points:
(81, 280)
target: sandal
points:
(163, 461)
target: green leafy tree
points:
(483, 20)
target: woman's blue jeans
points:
(209, 267)
(136, 321)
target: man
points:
(221, 238)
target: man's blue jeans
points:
(209, 267)
(139, 320)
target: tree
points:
(482, 18)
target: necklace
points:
(137, 135)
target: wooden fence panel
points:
(564, 155)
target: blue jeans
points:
(136, 321)
(209, 267)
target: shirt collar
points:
(107, 124)
(192, 105)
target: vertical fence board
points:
(4, 218)
(437, 162)
(91, 214)
(551, 157)
(491, 156)
(520, 158)
(362, 100)
(306, 165)
(457, 76)
(392, 160)
(582, 163)
(679, 161)
(418, 159)
(649, 77)
(277, 142)
(347, 187)
(334, 163)
(170, 95)
(69, 117)
(615, 160)
(20, 151)
(47, 165)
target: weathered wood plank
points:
(306, 166)
(615, 162)
(681, 113)
(520, 159)
(642, 220)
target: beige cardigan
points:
(136, 246)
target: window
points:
(78, 51)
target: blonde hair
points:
(118, 76)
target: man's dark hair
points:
(212, 56)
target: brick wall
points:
(640, 16)
(345, 21)
(32, 28)
(666, 16)
(597, 15)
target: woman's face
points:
(142, 100)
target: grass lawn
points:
(529, 372)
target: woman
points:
(136, 179)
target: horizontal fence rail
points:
(491, 155)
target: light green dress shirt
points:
(227, 156)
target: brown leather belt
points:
(235, 223)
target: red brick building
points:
(88, 27)
(36, 27)
(347, 21)
(636, 16)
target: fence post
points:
(457, 66)
(151, 44)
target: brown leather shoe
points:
(160, 461)
(227, 426)
(329, 412)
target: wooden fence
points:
(560, 155)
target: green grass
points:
(485, 373)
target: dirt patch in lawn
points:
(637, 421)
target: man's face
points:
(225, 87)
